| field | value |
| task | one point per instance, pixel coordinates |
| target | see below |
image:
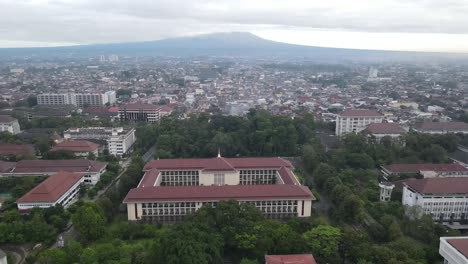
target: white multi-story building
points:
(173, 188)
(119, 140)
(9, 124)
(78, 99)
(445, 199)
(61, 188)
(356, 120)
(454, 250)
(143, 112)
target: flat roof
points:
(51, 189)
(218, 193)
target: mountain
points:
(234, 44)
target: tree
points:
(89, 221)
(73, 249)
(434, 154)
(52, 256)
(323, 240)
(310, 159)
(58, 155)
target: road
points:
(124, 164)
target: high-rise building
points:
(113, 58)
(102, 58)
(356, 120)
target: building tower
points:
(386, 191)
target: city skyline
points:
(381, 25)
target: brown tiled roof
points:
(461, 245)
(360, 112)
(14, 149)
(48, 166)
(449, 185)
(6, 119)
(139, 107)
(443, 126)
(415, 168)
(218, 193)
(52, 188)
(201, 164)
(76, 146)
(385, 128)
(149, 178)
(290, 259)
(6, 166)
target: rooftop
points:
(14, 149)
(455, 185)
(360, 112)
(217, 193)
(415, 168)
(385, 128)
(219, 163)
(47, 166)
(139, 107)
(76, 146)
(460, 244)
(6, 119)
(442, 126)
(51, 189)
(290, 259)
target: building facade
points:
(171, 189)
(444, 199)
(78, 99)
(454, 250)
(119, 140)
(356, 120)
(61, 188)
(9, 124)
(143, 112)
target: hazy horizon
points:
(420, 25)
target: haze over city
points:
(422, 25)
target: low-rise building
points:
(444, 199)
(119, 140)
(12, 150)
(427, 170)
(290, 259)
(143, 112)
(356, 120)
(442, 128)
(81, 148)
(91, 170)
(60, 188)
(9, 124)
(174, 188)
(454, 250)
(378, 131)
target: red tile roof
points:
(6, 166)
(460, 244)
(385, 128)
(449, 185)
(6, 119)
(48, 166)
(218, 193)
(14, 149)
(290, 259)
(139, 107)
(443, 126)
(149, 178)
(52, 188)
(360, 112)
(211, 164)
(416, 168)
(76, 146)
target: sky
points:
(417, 25)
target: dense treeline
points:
(347, 177)
(259, 134)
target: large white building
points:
(174, 188)
(9, 124)
(61, 188)
(445, 199)
(78, 99)
(143, 112)
(119, 140)
(356, 120)
(454, 250)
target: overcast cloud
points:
(65, 22)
